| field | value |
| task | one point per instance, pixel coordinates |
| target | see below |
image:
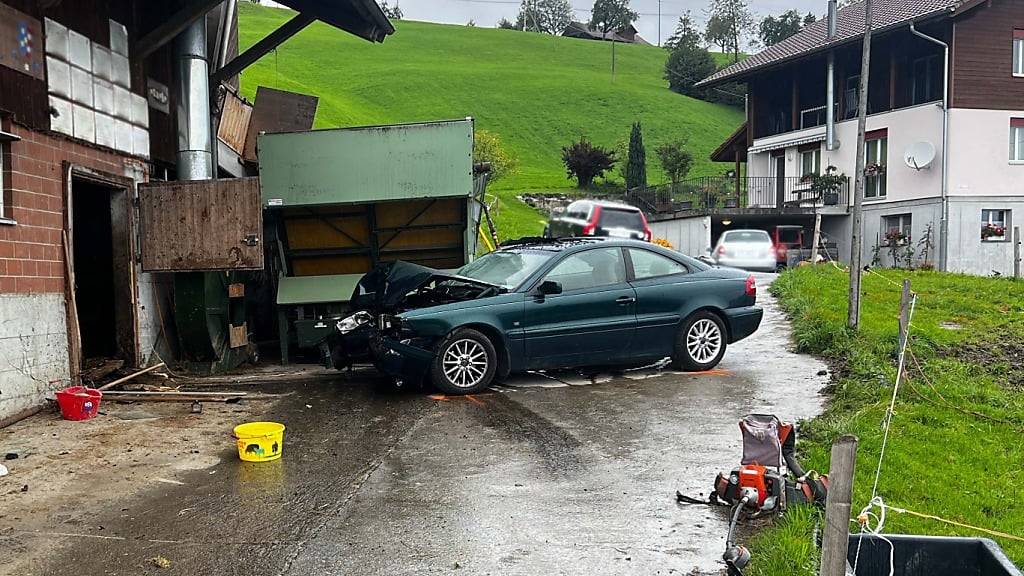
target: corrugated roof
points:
(850, 27)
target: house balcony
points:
(744, 195)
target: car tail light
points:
(751, 288)
(591, 226)
(648, 236)
(721, 250)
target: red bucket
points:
(79, 402)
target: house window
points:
(1018, 52)
(897, 229)
(1016, 139)
(994, 225)
(810, 161)
(875, 164)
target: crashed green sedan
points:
(541, 304)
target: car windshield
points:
(507, 269)
(758, 236)
(619, 218)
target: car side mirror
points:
(708, 250)
(549, 288)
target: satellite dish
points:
(919, 155)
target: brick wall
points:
(31, 252)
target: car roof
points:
(615, 205)
(564, 244)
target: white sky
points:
(488, 12)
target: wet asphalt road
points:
(543, 476)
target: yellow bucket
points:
(260, 441)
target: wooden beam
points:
(796, 103)
(257, 50)
(173, 26)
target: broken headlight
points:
(346, 325)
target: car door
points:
(591, 322)
(663, 286)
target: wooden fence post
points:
(1016, 251)
(904, 315)
(835, 541)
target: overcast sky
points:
(488, 12)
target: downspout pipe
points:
(830, 80)
(192, 73)
(944, 222)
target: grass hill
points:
(536, 92)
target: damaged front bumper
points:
(407, 363)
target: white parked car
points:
(746, 249)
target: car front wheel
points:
(465, 363)
(700, 343)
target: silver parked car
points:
(746, 249)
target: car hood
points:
(387, 285)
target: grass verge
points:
(955, 447)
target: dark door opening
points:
(99, 228)
(780, 181)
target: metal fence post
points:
(904, 314)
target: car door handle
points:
(625, 300)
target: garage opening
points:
(102, 265)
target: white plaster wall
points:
(905, 126)
(33, 350)
(967, 253)
(690, 236)
(923, 213)
(980, 154)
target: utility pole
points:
(613, 60)
(659, 23)
(857, 238)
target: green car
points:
(542, 304)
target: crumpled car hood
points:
(384, 287)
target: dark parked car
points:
(544, 304)
(594, 218)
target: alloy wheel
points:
(704, 341)
(465, 363)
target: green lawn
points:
(537, 92)
(954, 450)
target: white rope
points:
(885, 441)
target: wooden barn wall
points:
(983, 58)
(25, 98)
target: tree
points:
(547, 16)
(716, 32)
(487, 147)
(773, 30)
(584, 161)
(394, 13)
(810, 18)
(611, 15)
(471, 23)
(733, 21)
(686, 34)
(506, 24)
(636, 161)
(675, 160)
(686, 65)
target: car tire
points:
(700, 343)
(465, 363)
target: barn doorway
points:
(102, 315)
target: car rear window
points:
(747, 236)
(619, 218)
(789, 235)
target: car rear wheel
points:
(465, 362)
(700, 343)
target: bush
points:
(584, 161)
(487, 147)
(686, 66)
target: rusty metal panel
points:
(201, 225)
(236, 290)
(21, 42)
(234, 121)
(278, 111)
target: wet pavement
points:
(544, 475)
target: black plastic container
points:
(930, 556)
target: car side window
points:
(590, 269)
(647, 264)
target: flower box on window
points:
(872, 170)
(992, 232)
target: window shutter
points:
(1018, 34)
(1017, 122)
(877, 134)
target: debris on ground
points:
(3, 471)
(160, 562)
